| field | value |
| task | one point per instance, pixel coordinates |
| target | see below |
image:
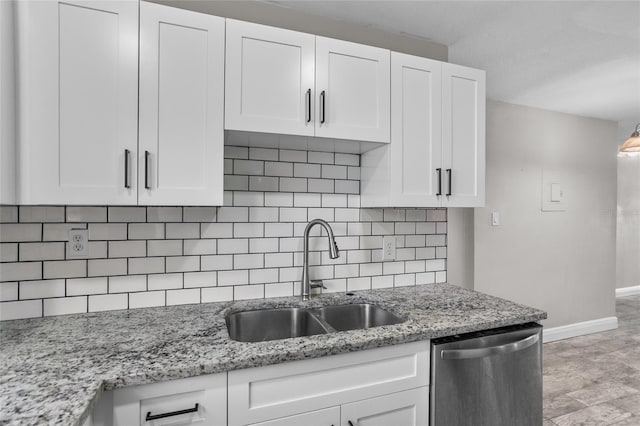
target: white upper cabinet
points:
(270, 79)
(78, 109)
(287, 82)
(463, 135)
(437, 153)
(181, 111)
(353, 89)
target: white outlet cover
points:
(78, 243)
(388, 248)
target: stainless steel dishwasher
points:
(488, 378)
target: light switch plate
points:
(553, 191)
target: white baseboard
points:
(627, 291)
(579, 329)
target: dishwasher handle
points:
(490, 350)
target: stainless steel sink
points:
(357, 316)
(282, 323)
(273, 324)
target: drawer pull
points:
(171, 413)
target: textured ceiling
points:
(576, 57)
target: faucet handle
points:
(317, 284)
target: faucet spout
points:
(334, 253)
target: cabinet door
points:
(355, 80)
(463, 136)
(326, 417)
(181, 107)
(78, 64)
(270, 75)
(408, 408)
(416, 131)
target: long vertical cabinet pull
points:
(322, 107)
(308, 105)
(449, 179)
(147, 155)
(127, 184)
(439, 171)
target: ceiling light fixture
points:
(633, 143)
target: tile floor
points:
(595, 379)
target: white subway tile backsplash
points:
(198, 247)
(183, 297)
(248, 167)
(239, 277)
(8, 252)
(293, 185)
(8, 291)
(263, 154)
(106, 267)
(81, 286)
(200, 279)
(278, 290)
(65, 269)
(42, 289)
(164, 247)
(41, 214)
(65, 305)
(127, 214)
(245, 292)
(306, 170)
(86, 214)
(361, 283)
(182, 263)
(20, 309)
(182, 230)
(108, 302)
(278, 199)
(216, 263)
(146, 265)
(146, 299)
(216, 294)
(251, 247)
(199, 214)
(347, 159)
(164, 281)
(261, 276)
(20, 232)
(263, 245)
(233, 214)
(8, 214)
(293, 155)
(126, 284)
(347, 186)
(248, 261)
(146, 231)
(107, 231)
(263, 183)
(164, 214)
(127, 248)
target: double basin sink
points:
(282, 323)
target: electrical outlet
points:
(389, 248)
(78, 242)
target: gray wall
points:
(460, 251)
(628, 241)
(278, 16)
(562, 262)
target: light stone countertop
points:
(53, 370)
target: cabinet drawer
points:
(326, 417)
(280, 390)
(176, 399)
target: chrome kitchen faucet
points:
(334, 253)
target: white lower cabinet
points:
(347, 381)
(376, 387)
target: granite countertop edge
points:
(55, 369)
